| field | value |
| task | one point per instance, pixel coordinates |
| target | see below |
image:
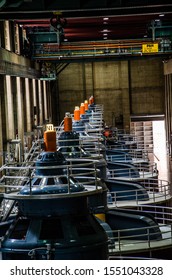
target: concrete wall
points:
(147, 87)
(135, 87)
(71, 88)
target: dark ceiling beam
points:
(76, 4)
(43, 9)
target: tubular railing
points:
(81, 143)
(158, 190)
(122, 138)
(131, 240)
(11, 184)
(148, 171)
(132, 158)
(9, 179)
(126, 239)
(132, 151)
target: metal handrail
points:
(133, 242)
(88, 166)
(158, 190)
(134, 152)
(148, 171)
(126, 158)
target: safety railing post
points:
(30, 182)
(153, 194)
(115, 199)
(119, 240)
(148, 235)
(95, 171)
(136, 197)
(166, 191)
(68, 178)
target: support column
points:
(168, 111)
(1, 138)
(35, 102)
(45, 100)
(28, 114)
(40, 103)
(3, 128)
(168, 104)
(20, 114)
(9, 109)
(7, 35)
(9, 113)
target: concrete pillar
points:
(28, 109)
(35, 105)
(20, 113)
(17, 39)
(28, 114)
(3, 128)
(40, 103)
(168, 111)
(1, 138)
(168, 67)
(45, 100)
(9, 114)
(7, 35)
(9, 109)
(168, 103)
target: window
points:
(51, 229)
(50, 181)
(20, 229)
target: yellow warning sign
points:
(149, 48)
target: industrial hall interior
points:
(85, 130)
